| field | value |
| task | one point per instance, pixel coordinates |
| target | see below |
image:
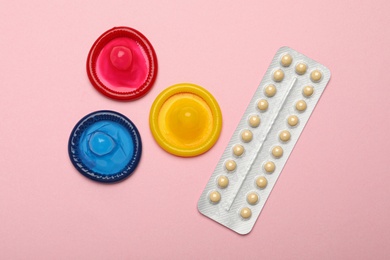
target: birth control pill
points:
(301, 105)
(308, 91)
(284, 103)
(315, 75)
(269, 167)
(292, 120)
(246, 213)
(105, 146)
(223, 182)
(252, 198)
(238, 150)
(278, 75)
(270, 90)
(286, 60)
(215, 196)
(301, 68)
(230, 165)
(284, 136)
(185, 120)
(122, 64)
(261, 182)
(262, 105)
(254, 121)
(277, 151)
(246, 136)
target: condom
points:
(185, 120)
(122, 64)
(105, 146)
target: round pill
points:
(261, 182)
(284, 136)
(262, 105)
(315, 75)
(238, 150)
(286, 60)
(270, 90)
(301, 105)
(293, 120)
(246, 213)
(215, 196)
(278, 75)
(230, 165)
(269, 167)
(277, 151)
(105, 146)
(301, 68)
(122, 64)
(252, 198)
(308, 91)
(223, 182)
(254, 121)
(185, 120)
(246, 136)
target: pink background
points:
(332, 199)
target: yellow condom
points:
(185, 120)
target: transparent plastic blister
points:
(263, 140)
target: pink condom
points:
(122, 64)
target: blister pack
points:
(263, 140)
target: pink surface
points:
(331, 201)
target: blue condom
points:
(105, 146)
